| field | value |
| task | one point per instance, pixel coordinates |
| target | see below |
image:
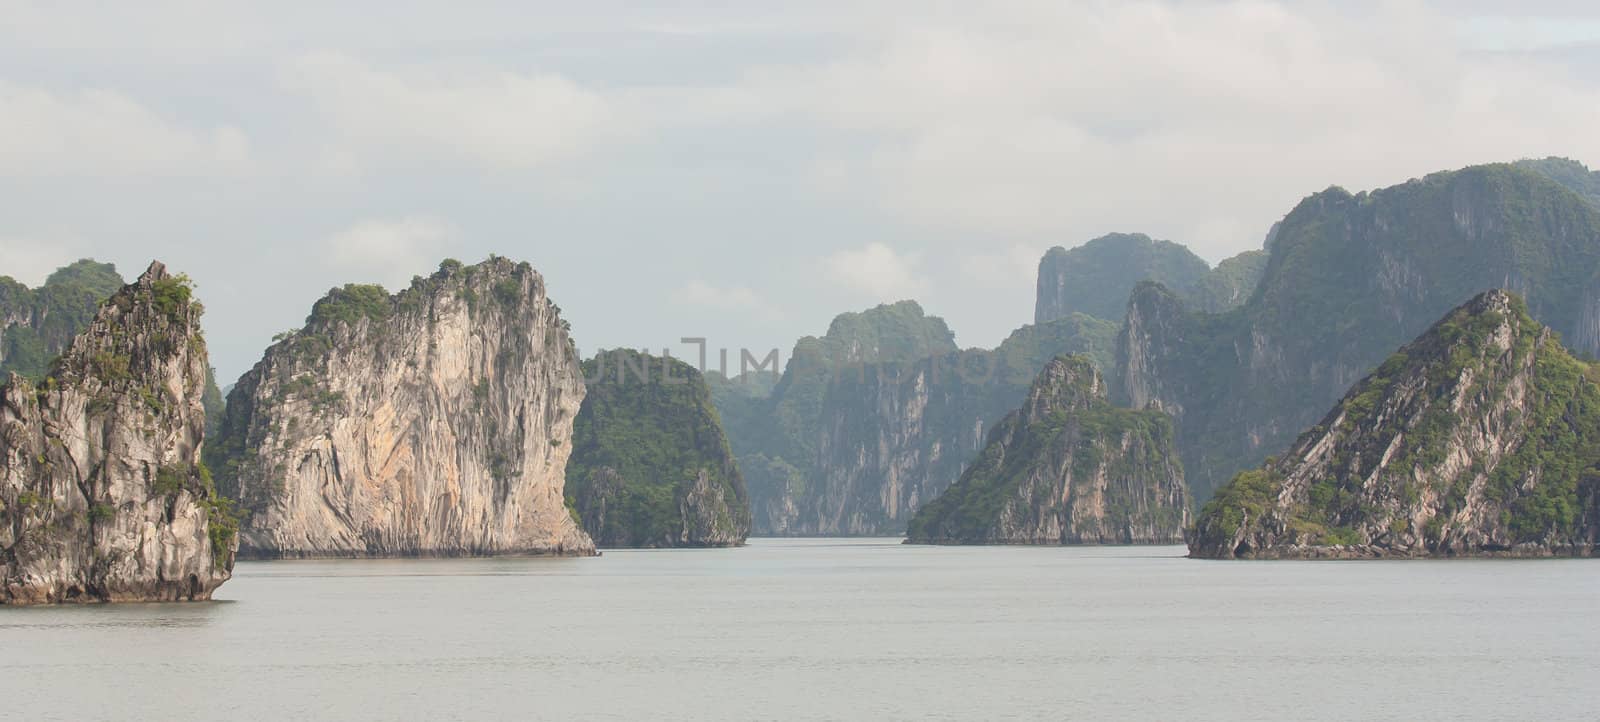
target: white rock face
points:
(102, 495)
(435, 422)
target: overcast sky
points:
(738, 171)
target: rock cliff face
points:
(650, 465)
(1065, 468)
(1480, 438)
(893, 437)
(1350, 278)
(434, 422)
(775, 437)
(103, 496)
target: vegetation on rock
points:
(650, 464)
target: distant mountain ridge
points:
(1350, 277)
(1571, 174)
(878, 416)
(1095, 278)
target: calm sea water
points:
(830, 629)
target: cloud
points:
(878, 271)
(105, 133)
(953, 134)
(731, 298)
(1202, 122)
(479, 115)
(1013, 265)
(391, 251)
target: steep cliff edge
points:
(1480, 438)
(650, 465)
(103, 496)
(433, 422)
(1065, 468)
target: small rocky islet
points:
(1066, 468)
(650, 465)
(454, 418)
(1480, 438)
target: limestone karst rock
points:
(650, 464)
(1065, 468)
(1479, 438)
(103, 496)
(432, 422)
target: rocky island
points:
(1066, 468)
(1480, 438)
(432, 422)
(650, 465)
(103, 494)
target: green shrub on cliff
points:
(349, 304)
